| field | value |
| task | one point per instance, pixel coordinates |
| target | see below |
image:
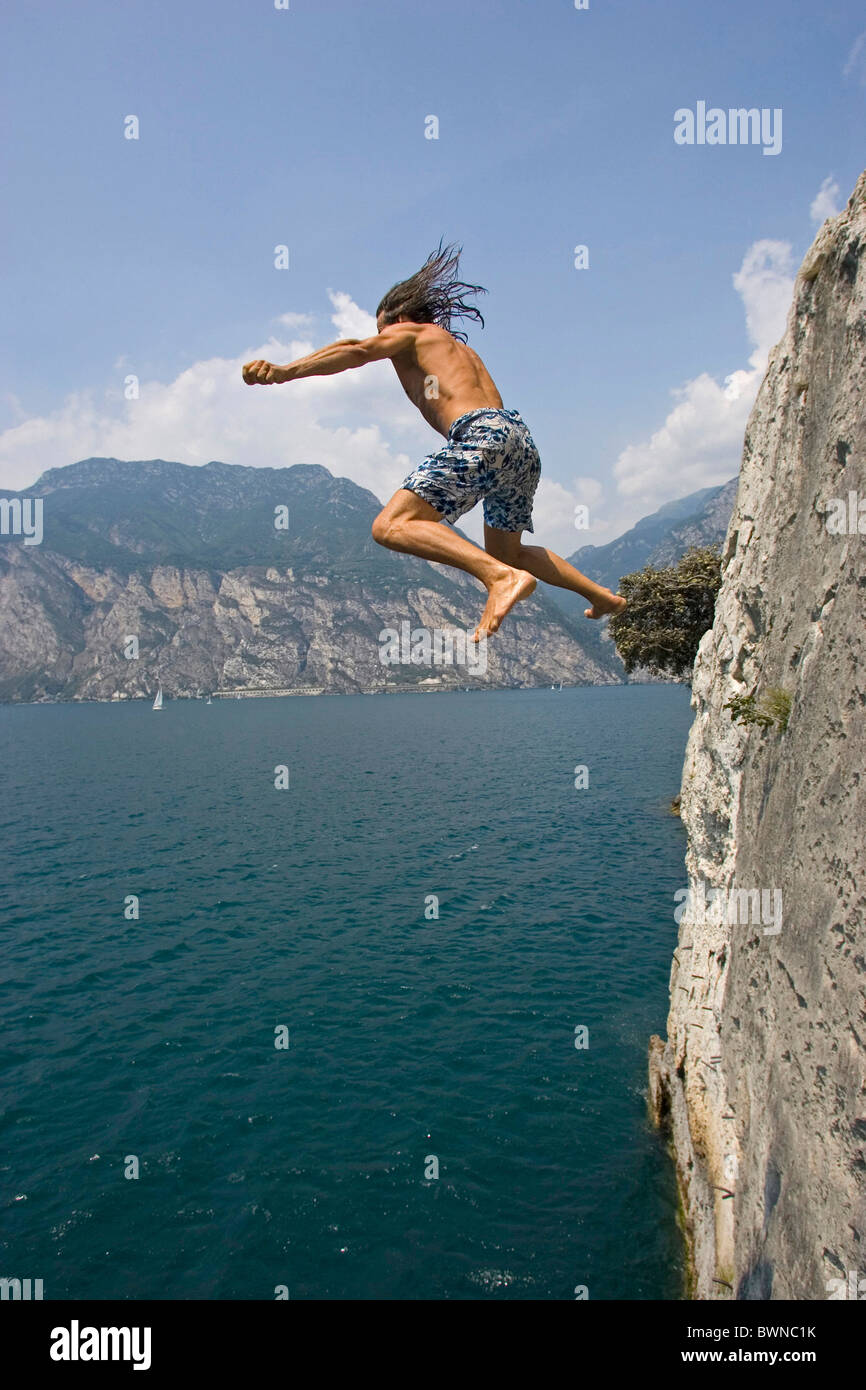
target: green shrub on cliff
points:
(774, 707)
(668, 612)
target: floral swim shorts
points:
(490, 454)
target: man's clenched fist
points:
(263, 374)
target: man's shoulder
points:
(435, 334)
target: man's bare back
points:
(442, 377)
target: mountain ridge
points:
(189, 563)
(195, 564)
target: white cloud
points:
(765, 283)
(856, 61)
(826, 202)
(349, 320)
(700, 443)
(357, 424)
(554, 514)
(292, 320)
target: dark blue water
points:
(409, 1038)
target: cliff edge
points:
(761, 1078)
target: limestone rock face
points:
(762, 1074)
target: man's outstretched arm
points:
(336, 357)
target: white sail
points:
(157, 704)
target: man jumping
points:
(489, 452)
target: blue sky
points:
(306, 127)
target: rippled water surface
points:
(410, 1037)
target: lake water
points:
(411, 1038)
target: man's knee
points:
(383, 528)
(392, 527)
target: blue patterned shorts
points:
(490, 454)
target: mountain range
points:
(228, 578)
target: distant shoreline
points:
(292, 693)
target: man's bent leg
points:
(547, 565)
(409, 524)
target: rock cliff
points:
(761, 1077)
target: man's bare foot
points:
(501, 598)
(603, 607)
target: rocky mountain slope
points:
(761, 1077)
(190, 564)
(663, 538)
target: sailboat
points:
(157, 704)
(209, 701)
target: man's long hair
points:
(433, 294)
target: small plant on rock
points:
(773, 708)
